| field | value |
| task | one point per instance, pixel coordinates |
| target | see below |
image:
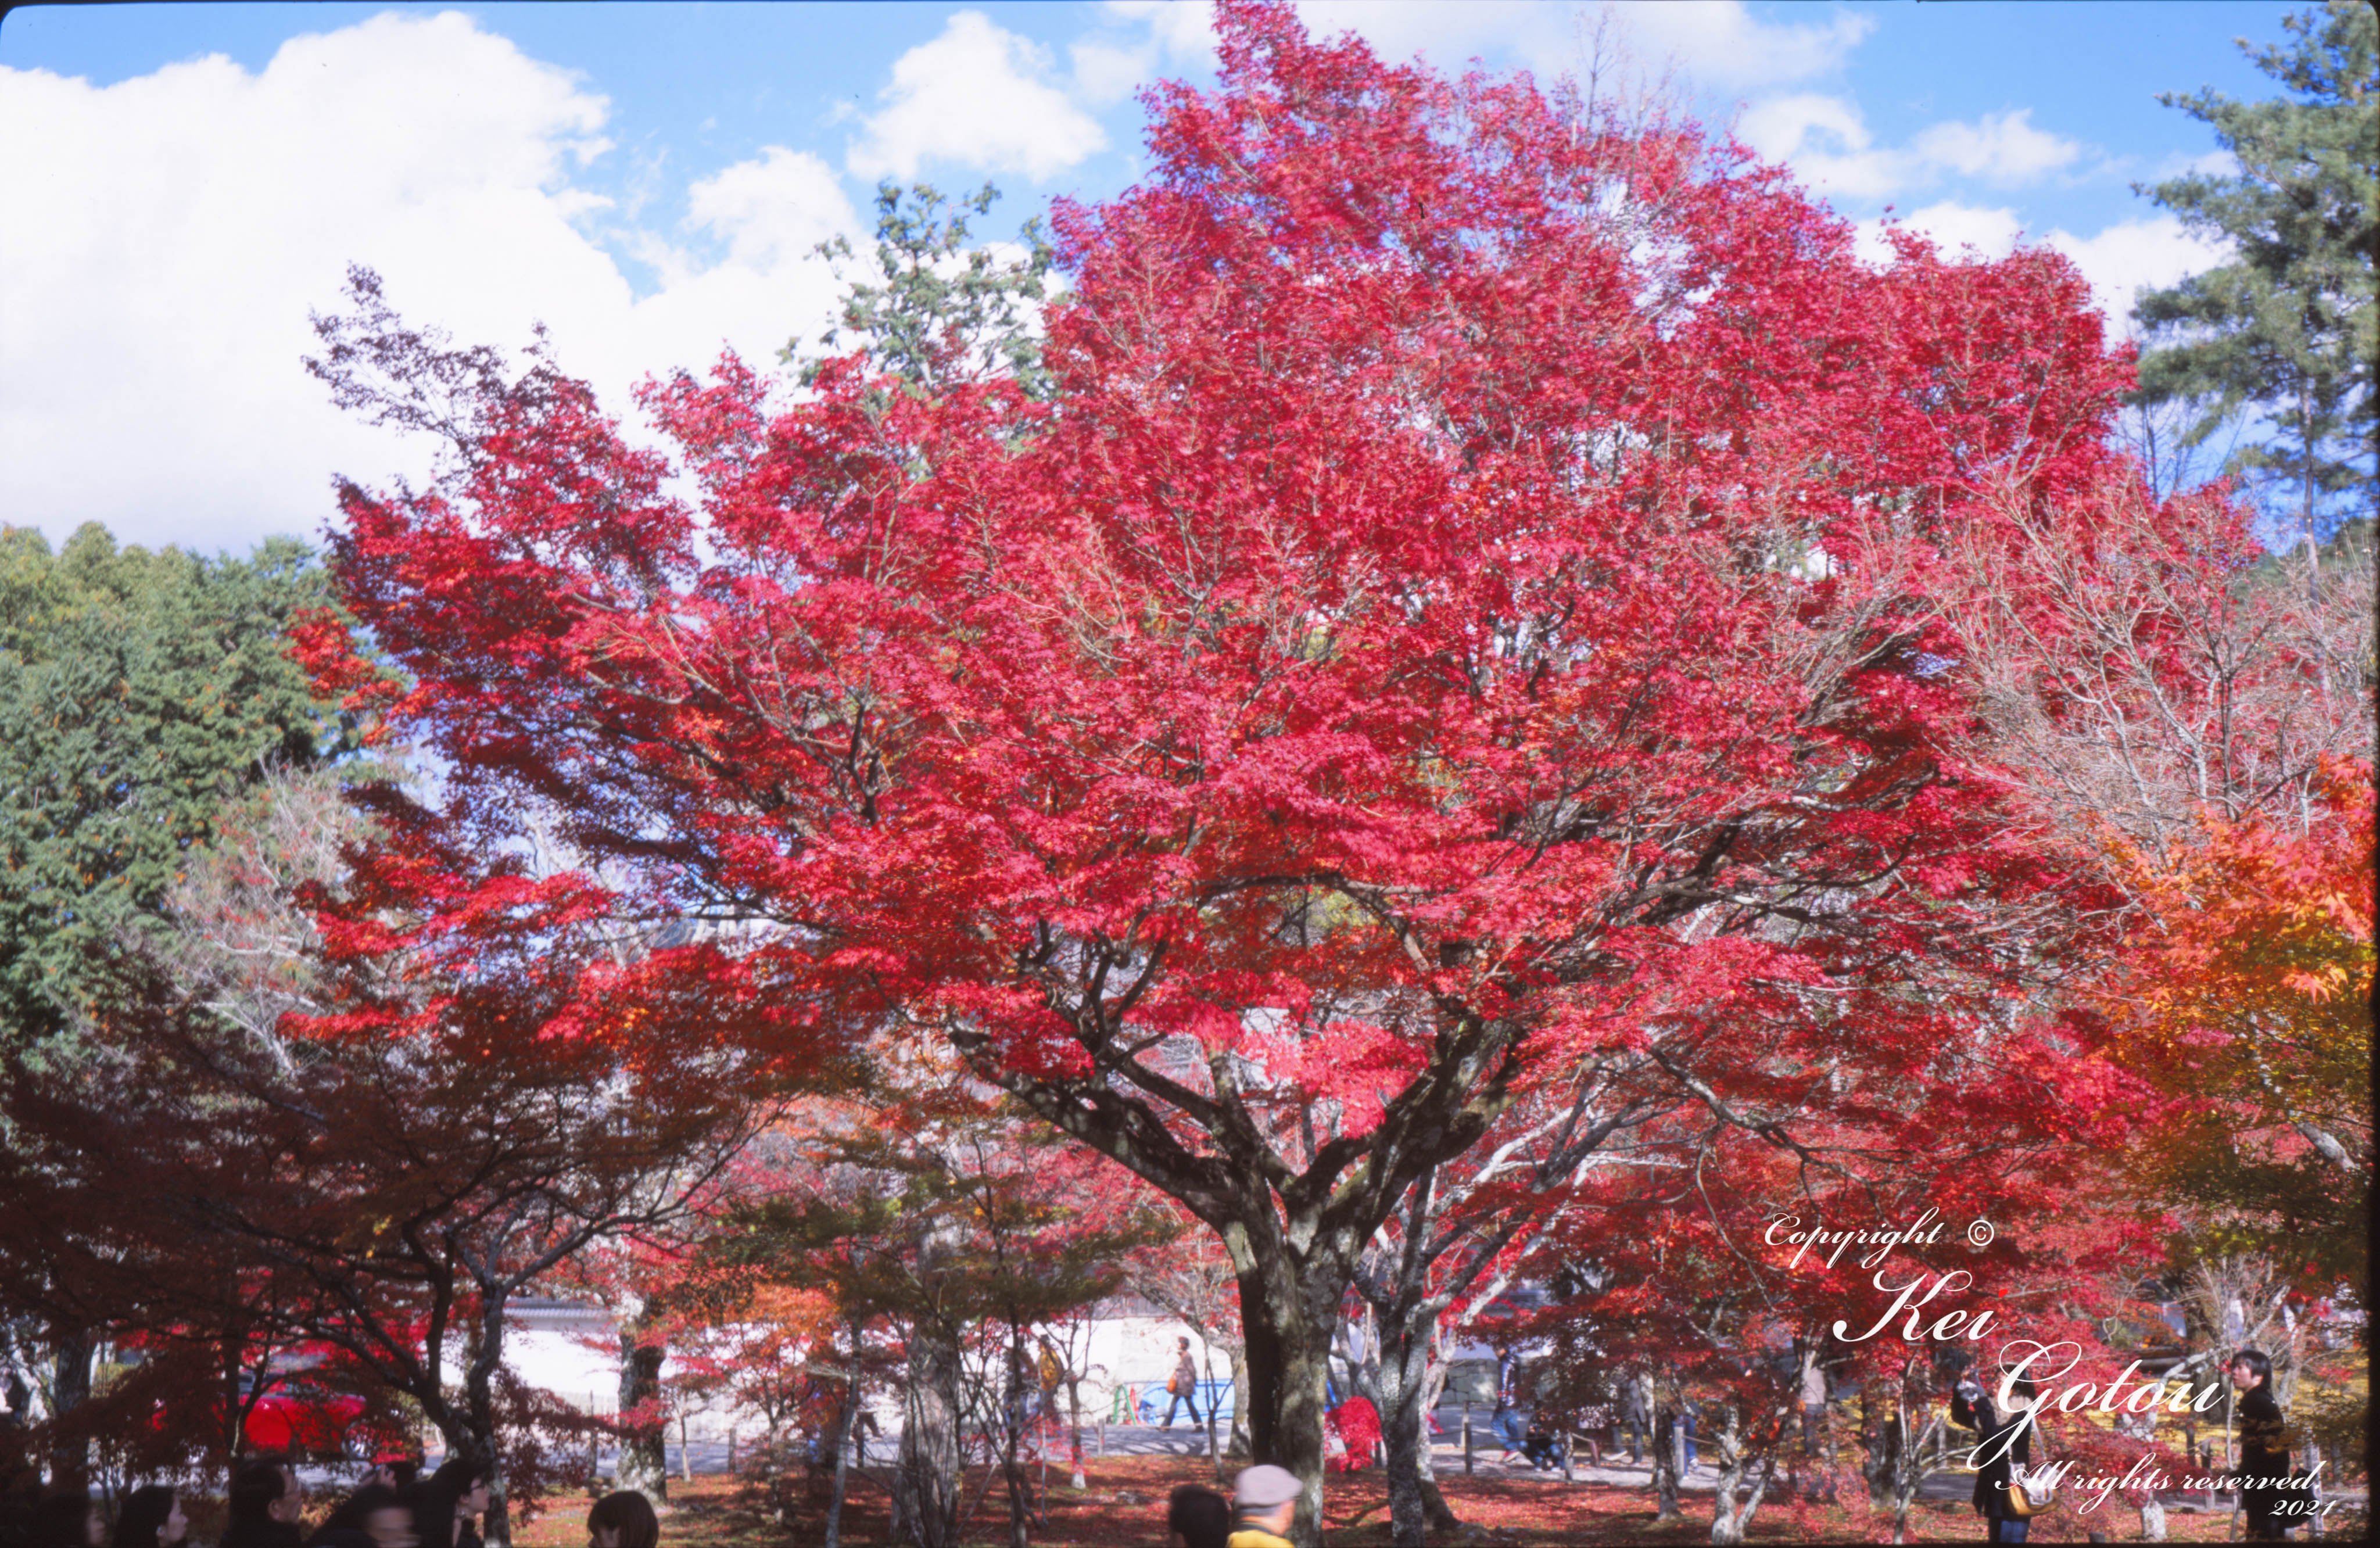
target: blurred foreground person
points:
(624, 1519)
(469, 1486)
(1197, 1518)
(70, 1518)
(152, 1518)
(266, 1501)
(373, 1516)
(1264, 1504)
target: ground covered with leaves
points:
(1124, 1507)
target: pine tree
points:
(2287, 327)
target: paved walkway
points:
(1186, 1440)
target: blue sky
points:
(187, 181)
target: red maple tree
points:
(1467, 600)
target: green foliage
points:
(139, 692)
(945, 313)
(2287, 327)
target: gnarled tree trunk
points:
(644, 1458)
(1729, 1520)
(925, 1492)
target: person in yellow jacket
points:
(1264, 1503)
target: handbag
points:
(2031, 1490)
(1172, 1386)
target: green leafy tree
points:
(139, 692)
(945, 313)
(2287, 328)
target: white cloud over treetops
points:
(1717, 43)
(2119, 261)
(975, 95)
(167, 235)
(1827, 142)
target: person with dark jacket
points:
(69, 1518)
(373, 1516)
(467, 1484)
(266, 1502)
(433, 1503)
(1635, 1416)
(1973, 1408)
(2264, 1449)
(152, 1518)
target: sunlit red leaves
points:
(1479, 563)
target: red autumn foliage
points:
(1474, 600)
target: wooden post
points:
(1466, 1437)
(1567, 1439)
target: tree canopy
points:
(139, 692)
(2288, 328)
(1467, 602)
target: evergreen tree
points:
(139, 692)
(2287, 327)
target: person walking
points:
(1594, 1425)
(1264, 1506)
(2264, 1472)
(1997, 1454)
(1183, 1387)
(1635, 1418)
(1052, 1373)
(152, 1518)
(1814, 1407)
(1510, 1426)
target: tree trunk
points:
(483, 1358)
(1730, 1521)
(1289, 1360)
(70, 1354)
(2151, 1519)
(1404, 1381)
(1014, 1417)
(1669, 1460)
(1239, 1449)
(927, 1489)
(644, 1450)
(842, 1448)
(1440, 1513)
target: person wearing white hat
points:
(1264, 1504)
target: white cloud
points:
(1716, 43)
(978, 95)
(2119, 261)
(1183, 31)
(1827, 142)
(770, 211)
(168, 238)
(1954, 227)
(2004, 149)
(1719, 43)
(2133, 255)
